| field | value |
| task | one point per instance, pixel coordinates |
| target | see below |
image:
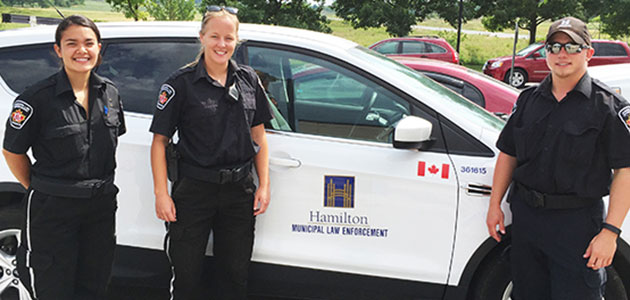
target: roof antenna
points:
(53, 5)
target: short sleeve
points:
(166, 115)
(505, 143)
(122, 128)
(263, 112)
(21, 127)
(617, 137)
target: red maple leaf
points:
(433, 169)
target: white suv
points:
(379, 176)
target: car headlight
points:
(496, 64)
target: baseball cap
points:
(573, 27)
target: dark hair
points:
(79, 21)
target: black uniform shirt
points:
(213, 127)
(568, 147)
(66, 145)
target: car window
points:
(318, 97)
(459, 86)
(387, 48)
(528, 49)
(139, 67)
(413, 47)
(17, 65)
(542, 52)
(433, 48)
(609, 49)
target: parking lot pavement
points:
(143, 293)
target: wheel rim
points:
(10, 285)
(507, 294)
(518, 79)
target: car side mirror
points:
(412, 133)
(536, 55)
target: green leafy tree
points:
(503, 14)
(397, 16)
(171, 10)
(292, 13)
(449, 11)
(614, 17)
(130, 8)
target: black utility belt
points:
(537, 199)
(219, 176)
(71, 189)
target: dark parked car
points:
(418, 46)
(530, 64)
(491, 94)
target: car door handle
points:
(285, 162)
(478, 189)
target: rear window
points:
(23, 66)
(609, 49)
(387, 48)
(138, 68)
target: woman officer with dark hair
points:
(71, 121)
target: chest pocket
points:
(248, 99)
(67, 141)
(578, 142)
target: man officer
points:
(558, 149)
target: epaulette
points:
(40, 85)
(606, 88)
(183, 70)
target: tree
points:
(614, 18)
(502, 14)
(171, 10)
(293, 13)
(130, 8)
(396, 15)
(449, 11)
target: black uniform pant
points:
(67, 246)
(227, 211)
(547, 252)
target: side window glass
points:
(387, 48)
(410, 47)
(433, 48)
(138, 68)
(542, 52)
(318, 97)
(21, 67)
(473, 94)
(609, 49)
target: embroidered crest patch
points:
(624, 115)
(20, 114)
(166, 94)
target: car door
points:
(342, 198)
(138, 74)
(537, 65)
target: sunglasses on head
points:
(571, 48)
(215, 8)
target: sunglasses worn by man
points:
(215, 8)
(571, 48)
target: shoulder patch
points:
(20, 114)
(624, 115)
(167, 92)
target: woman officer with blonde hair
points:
(218, 109)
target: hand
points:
(601, 250)
(261, 200)
(495, 217)
(165, 208)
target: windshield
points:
(528, 49)
(430, 88)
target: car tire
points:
(519, 78)
(495, 281)
(10, 220)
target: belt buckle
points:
(225, 175)
(538, 199)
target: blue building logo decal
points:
(339, 191)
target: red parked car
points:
(530, 64)
(418, 46)
(495, 96)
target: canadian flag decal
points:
(430, 169)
